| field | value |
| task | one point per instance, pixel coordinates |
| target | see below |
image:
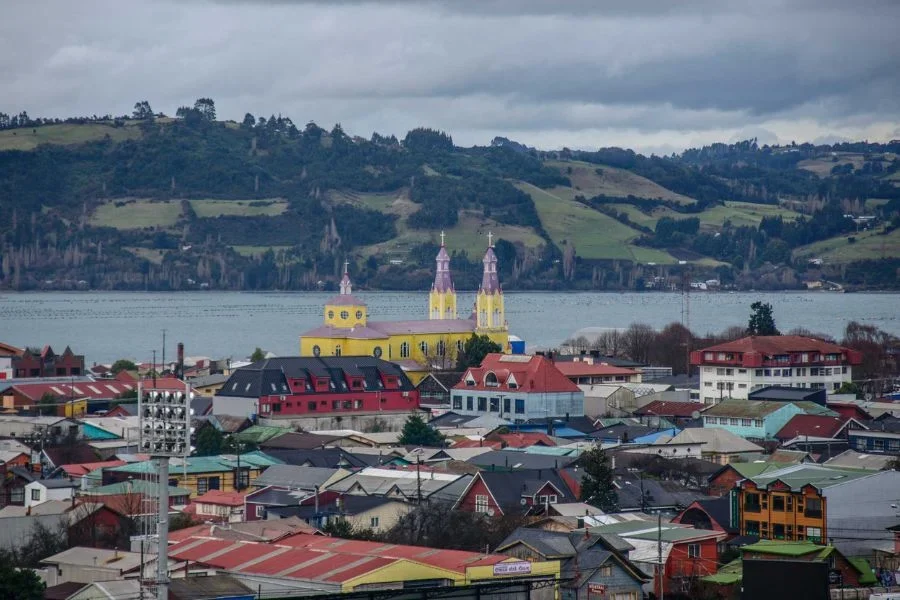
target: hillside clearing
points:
(149, 254)
(868, 245)
(242, 208)
(740, 214)
(822, 166)
(28, 138)
(126, 213)
(594, 234)
(610, 181)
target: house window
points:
(482, 403)
(520, 406)
(877, 445)
(345, 315)
(751, 502)
(457, 402)
(606, 571)
(404, 350)
(693, 550)
(757, 423)
(373, 522)
(813, 507)
(734, 422)
(243, 478)
(36, 495)
(470, 403)
(260, 511)
(814, 534)
(337, 350)
(778, 531)
(745, 422)
(481, 503)
(506, 405)
(751, 528)
(495, 404)
(778, 503)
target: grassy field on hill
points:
(469, 234)
(594, 234)
(137, 214)
(822, 166)
(28, 138)
(869, 244)
(743, 213)
(242, 208)
(610, 181)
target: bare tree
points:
(637, 341)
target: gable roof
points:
(663, 408)
(586, 369)
(748, 409)
(509, 487)
(533, 374)
(820, 426)
(295, 477)
(515, 460)
(777, 344)
(715, 440)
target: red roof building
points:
(662, 408)
(25, 396)
(587, 372)
(816, 426)
(734, 369)
(518, 388)
(218, 506)
(28, 363)
(521, 440)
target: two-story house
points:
(734, 369)
(598, 569)
(756, 420)
(816, 503)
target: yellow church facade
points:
(418, 345)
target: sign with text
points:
(596, 588)
(512, 568)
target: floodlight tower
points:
(165, 420)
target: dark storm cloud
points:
(579, 73)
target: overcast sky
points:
(654, 76)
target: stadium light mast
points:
(165, 422)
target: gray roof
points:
(510, 460)
(294, 477)
(54, 484)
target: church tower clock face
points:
(377, 352)
(316, 350)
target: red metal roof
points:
(191, 550)
(777, 344)
(94, 390)
(524, 440)
(580, 368)
(243, 552)
(221, 498)
(533, 374)
(811, 425)
(367, 565)
(282, 561)
(80, 469)
(467, 443)
(671, 409)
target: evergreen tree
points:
(258, 355)
(474, 351)
(19, 584)
(123, 364)
(209, 441)
(762, 321)
(416, 432)
(47, 404)
(597, 487)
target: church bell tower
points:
(442, 299)
(489, 300)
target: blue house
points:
(757, 419)
(874, 441)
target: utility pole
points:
(153, 368)
(659, 567)
(419, 479)
(164, 350)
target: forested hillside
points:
(146, 201)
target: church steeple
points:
(489, 301)
(442, 299)
(346, 287)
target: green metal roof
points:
(867, 575)
(258, 434)
(552, 451)
(797, 476)
(137, 486)
(783, 548)
(648, 531)
(729, 574)
(205, 464)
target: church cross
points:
(346, 267)
(490, 239)
(442, 237)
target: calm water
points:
(109, 325)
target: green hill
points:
(162, 203)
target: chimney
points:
(179, 369)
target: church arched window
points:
(490, 380)
(423, 346)
(496, 322)
(404, 350)
(482, 318)
(435, 313)
(459, 345)
(441, 348)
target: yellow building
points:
(416, 344)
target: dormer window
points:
(490, 380)
(513, 385)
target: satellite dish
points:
(695, 414)
(490, 512)
(523, 501)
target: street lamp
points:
(165, 432)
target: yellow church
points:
(432, 342)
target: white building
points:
(734, 369)
(42, 490)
